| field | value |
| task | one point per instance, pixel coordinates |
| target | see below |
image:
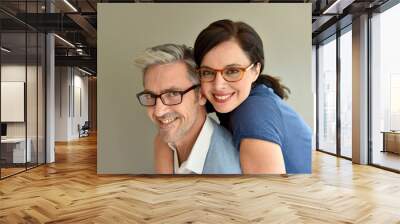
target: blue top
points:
(265, 116)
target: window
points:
(22, 78)
(327, 96)
(346, 93)
(385, 88)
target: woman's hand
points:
(163, 157)
(261, 157)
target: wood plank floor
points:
(388, 159)
(10, 171)
(70, 191)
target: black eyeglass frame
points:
(155, 96)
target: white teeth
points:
(167, 121)
(222, 97)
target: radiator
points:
(391, 142)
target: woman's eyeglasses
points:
(230, 74)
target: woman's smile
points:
(222, 97)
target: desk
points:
(15, 148)
(391, 141)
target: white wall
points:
(13, 72)
(69, 84)
(12, 101)
(79, 117)
(17, 73)
(61, 103)
(125, 134)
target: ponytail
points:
(275, 84)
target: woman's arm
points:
(163, 157)
(261, 157)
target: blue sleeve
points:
(258, 117)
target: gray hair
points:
(168, 53)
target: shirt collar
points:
(198, 154)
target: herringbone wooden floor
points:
(70, 191)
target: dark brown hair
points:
(247, 38)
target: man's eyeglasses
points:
(230, 74)
(169, 98)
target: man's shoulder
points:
(222, 157)
(220, 134)
(219, 129)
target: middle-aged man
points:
(174, 102)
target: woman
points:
(271, 137)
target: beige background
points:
(124, 30)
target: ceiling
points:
(76, 22)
